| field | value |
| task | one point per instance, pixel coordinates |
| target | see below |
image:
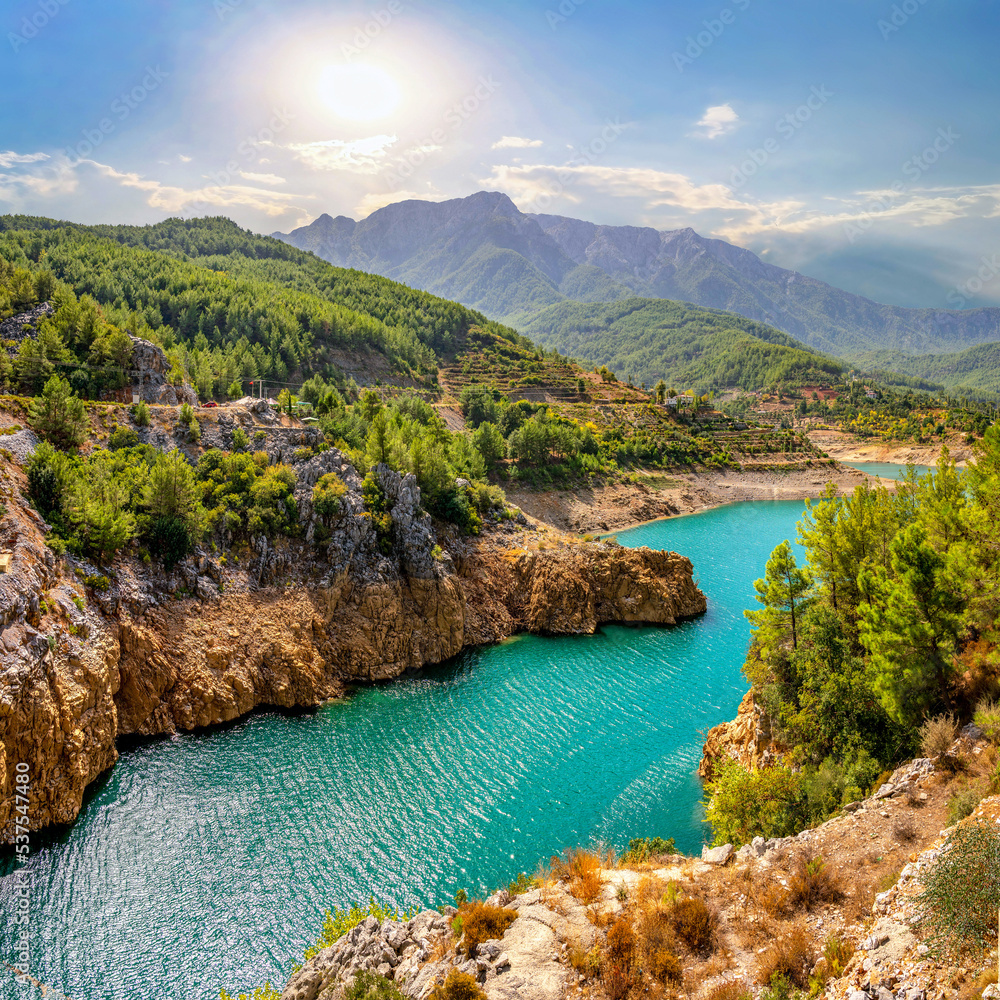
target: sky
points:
(854, 140)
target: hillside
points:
(650, 339)
(972, 372)
(524, 263)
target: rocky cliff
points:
(747, 739)
(88, 654)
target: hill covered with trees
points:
(649, 339)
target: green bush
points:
(328, 496)
(187, 413)
(372, 986)
(961, 893)
(964, 801)
(742, 804)
(987, 717)
(240, 440)
(376, 508)
(123, 437)
(337, 922)
(642, 848)
(140, 414)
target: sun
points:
(358, 91)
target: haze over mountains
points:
(485, 253)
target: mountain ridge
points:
(485, 253)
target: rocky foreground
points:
(834, 908)
(89, 654)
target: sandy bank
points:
(623, 505)
(847, 448)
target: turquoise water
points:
(886, 470)
(205, 860)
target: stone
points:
(717, 855)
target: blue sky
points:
(854, 140)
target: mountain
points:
(484, 252)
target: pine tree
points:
(781, 591)
(58, 415)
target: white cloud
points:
(9, 159)
(248, 175)
(717, 120)
(375, 200)
(176, 199)
(516, 142)
(183, 158)
(362, 156)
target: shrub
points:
(937, 735)
(194, 430)
(240, 440)
(964, 801)
(371, 986)
(376, 507)
(482, 922)
(788, 956)
(123, 437)
(187, 413)
(458, 986)
(642, 848)
(583, 869)
(732, 990)
(140, 414)
(836, 954)
(328, 496)
(695, 924)
(961, 893)
(768, 802)
(811, 882)
(987, 717)
(259, 437)
(619, 970)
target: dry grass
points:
(904, 829)
(733, 990)
(618, 973)
(811, 882)
(481, 922)
(751, 930)
(458, 986)
(695, 924)
(788, 955)
(937, 735)
(582, 870)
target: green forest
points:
(227, 305)
(649, 339)
(873, 648)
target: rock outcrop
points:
(747, 739)
(87, 657)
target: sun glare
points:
(358, 91)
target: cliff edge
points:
(90, 654)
